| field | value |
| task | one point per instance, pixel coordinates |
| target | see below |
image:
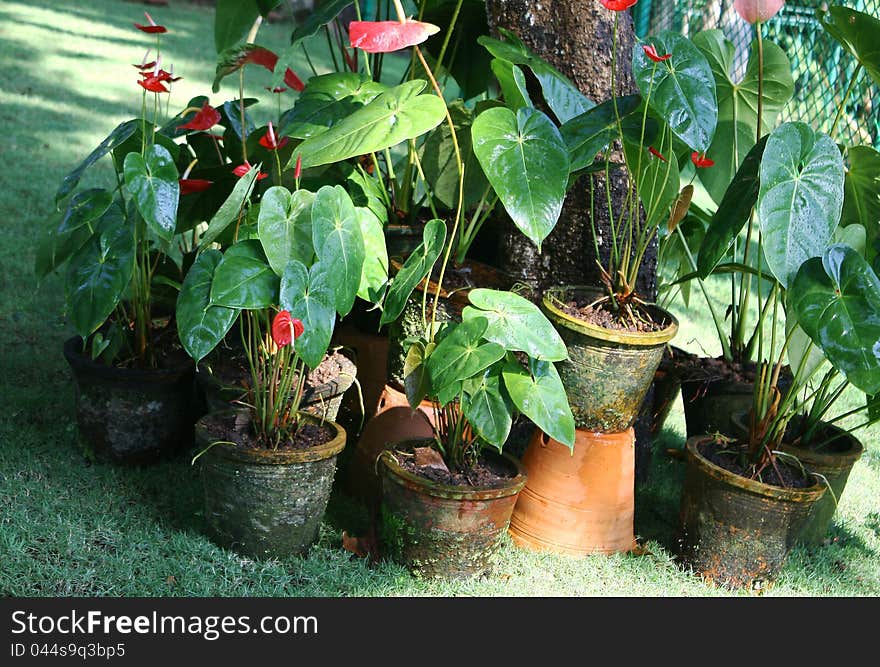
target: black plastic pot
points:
(734, 531)
(131, 416)
(264, 503)
(834, 461)
(443, 531)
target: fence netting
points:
(822, 69)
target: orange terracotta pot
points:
(393, 422)
(579, 502)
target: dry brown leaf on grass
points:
(362, 547)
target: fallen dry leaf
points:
(362, 547)
(428, 457)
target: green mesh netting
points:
(822, 69)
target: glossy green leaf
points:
(857, 32)
(416, 381)
(734, 211)
(232, 21)
(590, 133)
(800, 198)
(326, 100)
(84, 208)
(462, 354)
(122, 132)
(151, 181)
(515, 323)
(231, 209)
(526, 161)
(415, 269)
(561, 95)
(488, 408)
(100, 272)
(681, 89)
(394, 116)
(309, 296)
(861, 199)
(538, 393)
(804, 356)
(339, 242)
(513, 84)
(54, 248)
(244, 279)
(285, 227)
(374, 275)
(200, 325)
(738, 103)
(837, 303)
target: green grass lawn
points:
(71, 528)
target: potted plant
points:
(746, 499)
(120, 247)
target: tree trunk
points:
(576, 37)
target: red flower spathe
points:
(244, 168)
(617, 5)
(388, 36)
(189, 186)
(701, 161)
(153, 84)
(286, 329)
(151, 26)
(657, 154)
(270, 141)
(205, 118)
(651, 51)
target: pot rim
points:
(561, 318)
(459, 295)
(267, 456)
(825, 459)
(79, 361)
(436, 489)
(809, 494)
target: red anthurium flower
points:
(286, 329)
(701, 161)
(651, 51)
(190, 185)
(277, 89)
(162, 75)
(206, 118)
(657, 154)
(243, 169)
(298, 170)
(617, 5)
(754, 11)
(270, 141)
(388, 36)
(153, 84)
(145, 67)
(151, 26)
(293, 81)
(261, 56)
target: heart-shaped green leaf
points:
(232, 20)
(734, 211)
(285, 227)
(118, 136)
(590, 133)
(231, 209)
(800, 198)
(415, 269)
(394, 116)
(416, 381)
(339, 242)
(326, 100)
(84, 208)
(309, 296)
(54, 248)
(857, 33)
(861, 200)
(837, 303)
(244, 279)
(681, 89)
(200, 325)
(151, 180)
(374, 276)
(513, 84)
(515, 323)
(462, 354)
(526, 161)
(488, 408)
(100, 272)
(538, 393)
(738, 103)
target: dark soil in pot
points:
(224, 377)
(261, 502)
(446, 530)
(457, 283)
(130, 415)
(736, 531)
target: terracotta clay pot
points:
(608, 372)
(734, 531)
(577, 502)
(443, 531)
(264, 503)
(834, 461)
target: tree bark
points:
(576, 37)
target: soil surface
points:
(230, 367)
(731, 457)
(601, 315)
(691, 367)
(238, 428)
(487, 473)
(166, 345)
